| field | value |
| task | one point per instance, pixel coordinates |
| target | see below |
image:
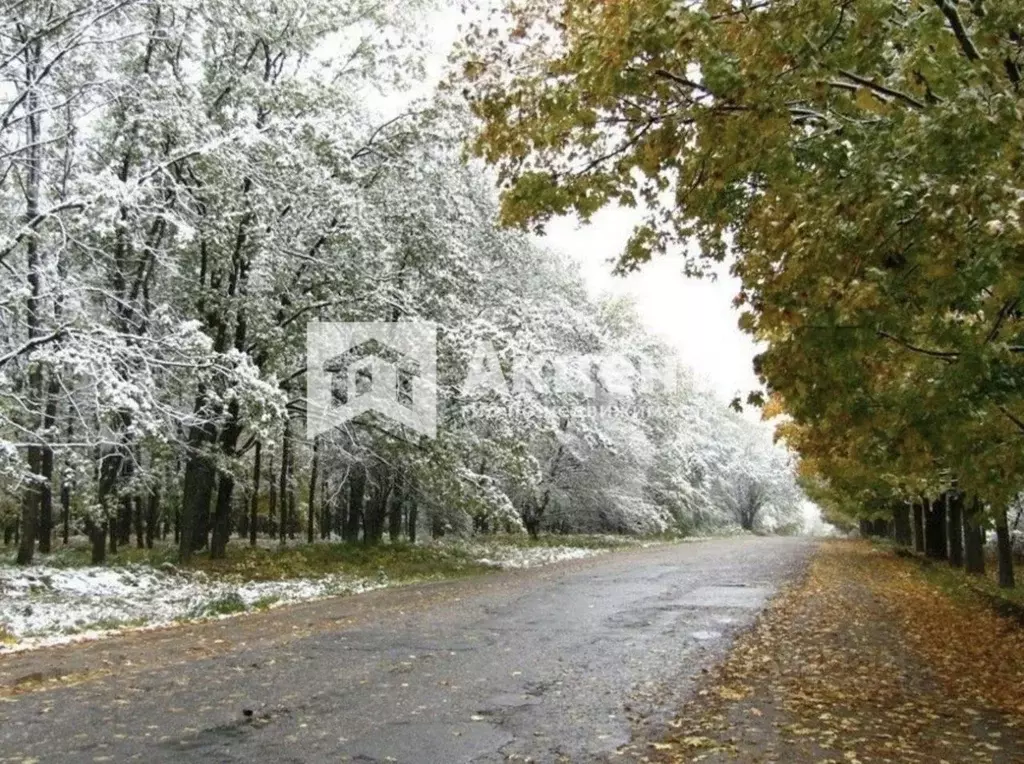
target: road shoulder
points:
(863, 660)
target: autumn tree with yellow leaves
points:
(858, 162)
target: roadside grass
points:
(966, 587)
(397, 562)
(970, 588)
(400, 561)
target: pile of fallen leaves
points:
(864, 661)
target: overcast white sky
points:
(694, 315)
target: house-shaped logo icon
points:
(386, 367)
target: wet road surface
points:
(565, 663)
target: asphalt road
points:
(565, 663)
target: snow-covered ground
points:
(45, 605)
(41, 605)
(510, 557)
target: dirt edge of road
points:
(862, 660)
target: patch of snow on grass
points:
(510, 557)
(42, 605)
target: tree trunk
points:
(373, 523)
(341, 511)
(918, 527)
(395, 510)
(222, 517)
(901, 524)
(356, 496)
(124, 512)
(152, 516)
(254, 500)
(282, 486)
(46, 470)
(65, 510)
(1005, 550)
(327, 507)
(196, 492)
(271, 501)
(974, 540)
(32, 185)
(311, 508)
(30, 502)
(414, 512)
(955, 507)
(140, 530)
(866, 528)
(935, 529)
(109, 469)
(112, 531)
(222, 511)
(97, 533)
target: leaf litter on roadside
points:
(864, 660)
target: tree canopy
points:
(857, 162)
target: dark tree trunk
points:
(124, 515)
(32, 160)
(1005, 552)
(327, 507)
(866, 528)
(935, 529)
(974, 540)
(395, 510)
(918, 527)
(152, 516)
(97, 533)
(112, 532)
(326, 513)
(282, 486)
(955, 507)
(311, 508)
(222, 517)
(46, 471)
(196, 492)
(140, 533)
(414, 512)
(271, 502)
(65, 510)
(356, 497)
(373, 524)
(110, 467)
(341, 511)
(30, 504)
(254, 500)
(225, 486)
(901, 524)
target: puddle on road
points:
(751, 597)
(704, 636)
